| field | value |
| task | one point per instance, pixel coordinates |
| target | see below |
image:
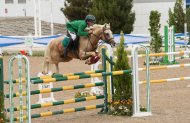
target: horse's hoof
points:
(46, 73)
(40, 74)
(43, 73)
(87, 62)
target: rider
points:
(77, 28)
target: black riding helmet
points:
(90, 18)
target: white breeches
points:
(73, 35)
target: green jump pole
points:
(2, 115)
(105, 81)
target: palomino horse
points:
(87, 47)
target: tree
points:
(177, 17)
(117, 12)
(76, 9)
(122, 83)
(122, 103)
(156, 39)
(188, 22)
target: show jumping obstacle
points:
(98, 73)
(58, 78)
(136, 69)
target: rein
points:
(98, 37)
(91, 45)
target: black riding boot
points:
(68, 47)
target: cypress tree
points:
(177, 17)
(122, 103)
(116, 12)
(156, 39)
(188, 22)
(76, 9)
(122, 83)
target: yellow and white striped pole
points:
(166, 80)
(165, 67)
(164, 54)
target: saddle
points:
(70, 45)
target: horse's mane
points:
(101, 26)
(98, 26)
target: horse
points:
(54, 53)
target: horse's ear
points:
(105, 25)
(91, 27)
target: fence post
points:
(169, 42)
(2, 115)
(21, 100)
(105, 81)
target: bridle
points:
(99, 36)
(107, 40)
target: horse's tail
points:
(47, 50)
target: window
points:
(21, 1)
(187, 3)
(8, 1)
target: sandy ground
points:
(169, 101)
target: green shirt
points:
(78, 27)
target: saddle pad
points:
(65, 42)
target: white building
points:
(142, 8)
(14, 8)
